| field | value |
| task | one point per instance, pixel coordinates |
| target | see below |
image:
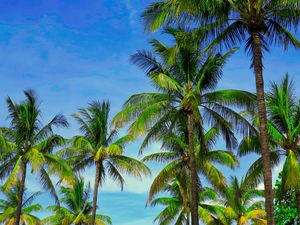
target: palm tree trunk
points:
(96, 186)
(21, 193)
(193, 173)
(297, 191)
(267, 172)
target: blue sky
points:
(73, 52)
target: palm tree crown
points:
(8, 207)
(242, 203)
(232, 22)
(78, 208)
(186, 79)
(26, 142)
(100, 147)
(176, 206)
(175, 153)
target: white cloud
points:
(132, 12)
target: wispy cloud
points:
(132, 13)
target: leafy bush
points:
(285, 205)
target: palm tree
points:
(176, 206)
(284, 131)
(242, 203)
(175, 153)
(177, 210)
(77, 208)
(257, 23)
(8, 207)
(98, 146)
(185, 79)
(27, 143)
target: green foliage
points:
(184, 84)
(185, 76)
(176, 204)
(285, 205)
(243, 203)
(175, 154)
(231, 23)
(9, 204)
(185, 79)
(76, 208)
(284, 130)
(99, 145)
(256, 24)
(27, 142)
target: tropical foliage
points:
(175, 154)
(283, 128)
(285, 205)
(176, 206)
(257, 24)
(185, 79)
(243, 203)
(8, 207)
(187, 113)
(28, 143)
(77, 208)
(100, 147)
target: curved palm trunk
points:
(193, 174)
(95, 197)
(21, 193)
(297, 191)
(267, 172)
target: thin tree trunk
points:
(95, 197)
(21, 193)
(267, 172)
(297, 192)
(193, 173)
(185, 206)
(187, 218)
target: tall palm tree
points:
(98, 146)
(185, 79)
(242, 203)
(8, 207)
(257, 23)
(177, 210)
(77, 208)
(26, 142)
(283, 126)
